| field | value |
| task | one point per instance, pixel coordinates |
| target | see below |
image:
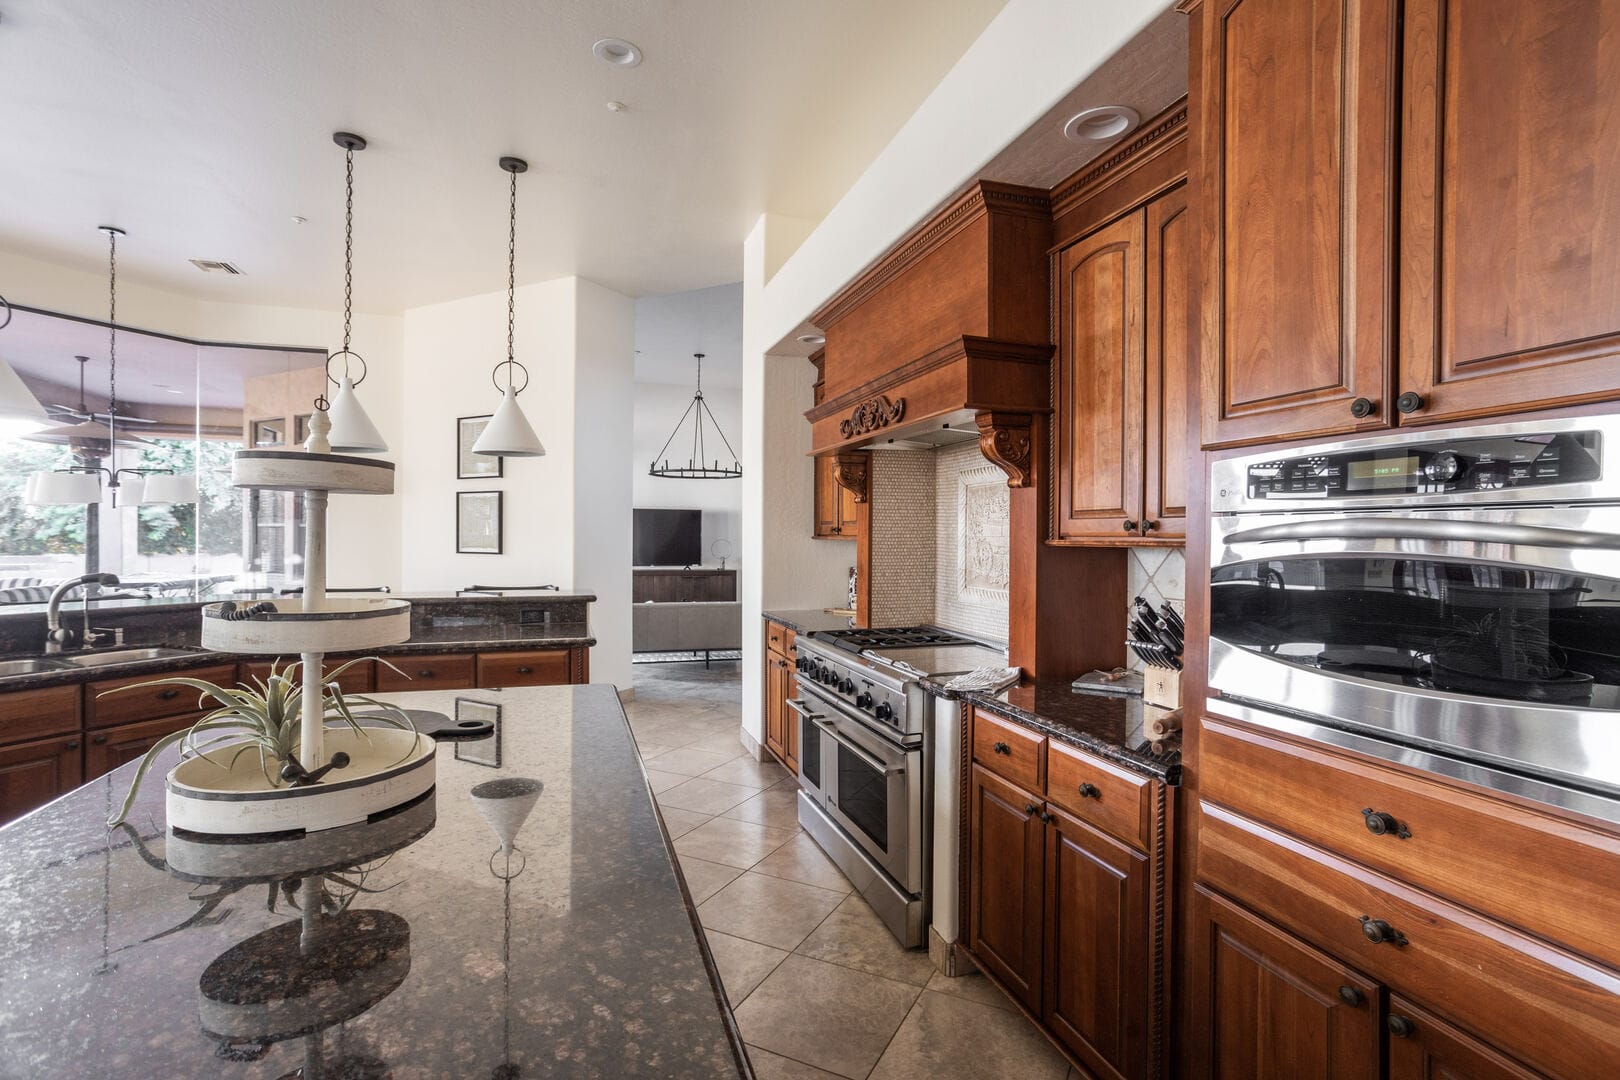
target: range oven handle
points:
(864, 757)
(1382, 528)
(798, 706)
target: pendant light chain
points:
(348, 247)
(511, 283)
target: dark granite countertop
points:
(136, 953)
(473, 636)
(71, 606)
(1109, 725)
(808, 620)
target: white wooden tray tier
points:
(298, 470)
(344, 624)
(387, 768)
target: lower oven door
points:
(1490, 635)
(871, 788)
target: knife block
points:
(1161, 687)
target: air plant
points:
(264, 717)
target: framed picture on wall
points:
(471, 466)
(478, 522)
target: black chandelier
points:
(696, 467)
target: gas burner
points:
(891, 637)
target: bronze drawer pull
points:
(1351, 996)
(1380, 932)
(168, 695)
(1002, 748)
(1090, 791)
(1382, 824)
(425, 673)
(99, 740)
(72, 744)
(1401, 1027)
(525, 670)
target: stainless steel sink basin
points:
(121, 656)
(28, 667)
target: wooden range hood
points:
(952, 322)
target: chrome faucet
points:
(56, 635)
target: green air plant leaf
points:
(265, 717)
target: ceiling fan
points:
(82, 413)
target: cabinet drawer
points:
(34, 714)
(1537, 1002)
(778, 638)
(444, 671)
(107, 749)
(1509, 862)
(1009, 750)
(150, 702)
(357, 680)
(541, 667)
(1104, 795)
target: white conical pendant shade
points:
(65, 489)
(505, 804)
(20, 410)
(352, 430)
(508, 433)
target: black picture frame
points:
(485, 752)
(471, 466)
(469, 542)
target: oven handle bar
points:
(1381, 528)
(865, 758)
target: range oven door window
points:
(863, 795)
(1447, 623)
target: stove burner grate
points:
(895, 637)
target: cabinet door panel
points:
(34, 773)
(109, 748)
(1296, 121)
(1100, 380)
(1510, 214)
(1266, 1006)
(1006, 871)
(1169, 262)
(1428, 1048)
(1097, 947)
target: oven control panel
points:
(1459, 465)
(850, 685)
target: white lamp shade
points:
(20, 410)
(508, 433)
(163, 488)
(131, 490)
(352, 430)
(65, 489)
(30, 486)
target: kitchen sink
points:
(29, 667)
(121, 656)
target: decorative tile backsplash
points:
(903, 561)
(1156, 575)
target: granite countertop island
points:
(133, 952)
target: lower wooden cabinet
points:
(1265, 1004)
(359, 679)
(109, 748)
(533, 667)
(1007, 884)
(33, 773)
(1424, 1047)
(781, 722)
(439, 671)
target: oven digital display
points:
(1382, 473)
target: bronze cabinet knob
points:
(1149, 526)
(1380, 932)
(526, 670)
(1129, 525)
(99, 740)
(1361, 407)
(1401, 1027)
(1090, 791)
(1409, 402)
(72, 744)
(1002, 748)
(425, 673)
(168, 695)
(1382, 824)
(1031, 808)
(1351, 996)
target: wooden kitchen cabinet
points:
(1265, 1004)
(835, 504)
(781, 684)
(1121, 378)
(33, 773)
(1424, 1047)
(360, 679)
(1510, 244)
(528, 667)
(1292, 162)
(1006, 884)
(437, 671)
(26, 715)
(109, 748)
(143, 701)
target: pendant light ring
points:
(510, 365)
(7, 305)
(347, 354)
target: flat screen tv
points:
(668, 537)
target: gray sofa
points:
(686, 627)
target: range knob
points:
(1442, 467)
(847, 686)
(829, 676)
(803, 664)
(885, 712)
(863, 700)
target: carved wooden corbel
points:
(850, 472)
(1008, 440)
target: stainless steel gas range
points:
(866, 757)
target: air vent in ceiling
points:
(214, 266)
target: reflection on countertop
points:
(532, 926)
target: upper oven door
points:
(1494, 631)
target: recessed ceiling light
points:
(299, 219)
(617, 51)
(214, 266)
(813, 339)
(616, 106)
(1101, 124)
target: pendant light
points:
(352, 430)
(80, 485)
(695, 469)
(508, 433)
(20, 410)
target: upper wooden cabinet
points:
(1295, 122)
(1121, 378)
(835, 504)
(1504, 256)
(1510, 205)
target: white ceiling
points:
(203, 126)
(670, 328)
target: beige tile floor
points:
(819, 986)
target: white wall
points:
(658, 406)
